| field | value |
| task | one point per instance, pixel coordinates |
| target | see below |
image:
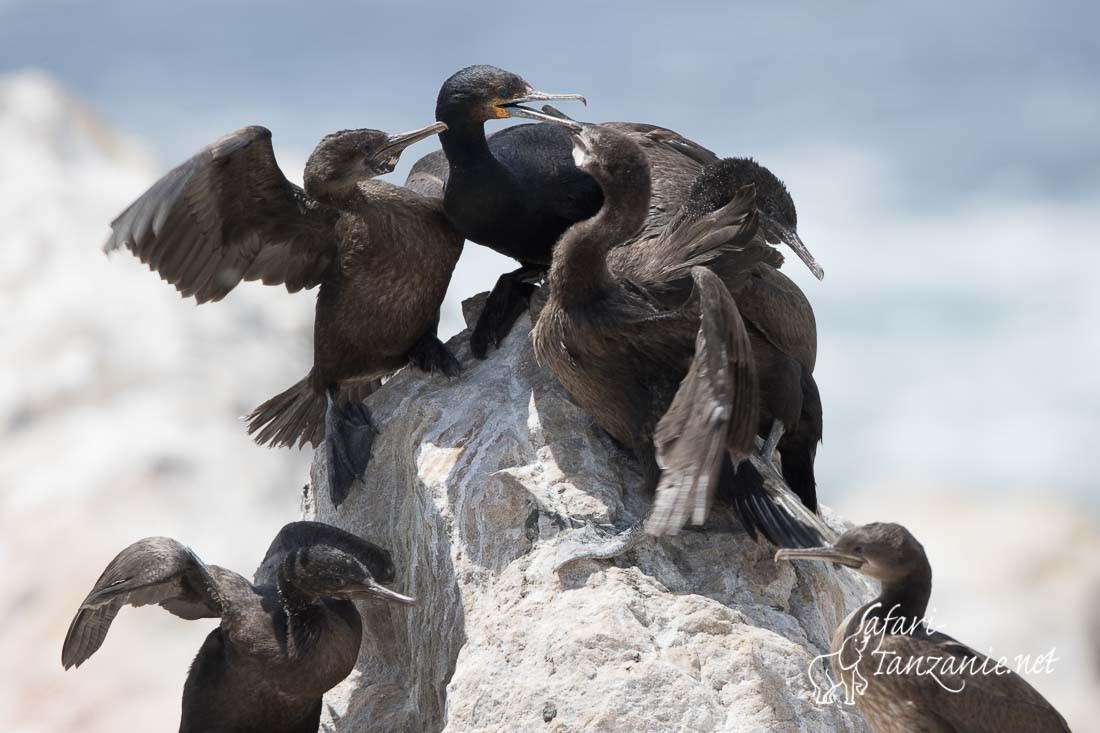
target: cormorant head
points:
(886, 552)
(718, 183)
(324, 571)
(345, 158)
(479, 93)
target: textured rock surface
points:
(472, 485)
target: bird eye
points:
(503, 92)
(858, 549)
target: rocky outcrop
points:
(473, 485)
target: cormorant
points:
(905, 676)
(690, 180)
(382, 255)
(283, 641)
(517, 191)
(667, 372)
(780, 322)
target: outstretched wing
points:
(960, 688)
(228, 214)
(713, 411)
(153, 570)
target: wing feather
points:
(153, 570)
(228, 214)
(714, 410)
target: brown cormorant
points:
(780, 323)
(382, 255)
(650, 342)
(283, 641)
(905, 676)
(690, 180)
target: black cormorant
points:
(621, 326)
(382, 255)
(904, 676)
(283, 641)
(515, 192)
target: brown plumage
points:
(650, 342)
(904, 676)
(686, 181)
(780, 321)
(382, 255)
(283, 641)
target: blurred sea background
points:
(944, 158)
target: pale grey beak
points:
(824, 554)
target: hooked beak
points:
(395, 144)
(512, 108)
(371, 588)
(824, 554)
(790, 238)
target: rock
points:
(472, 484)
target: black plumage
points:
(648, 339)
(382, 255)
(515, 192)
(283, 641)
(904, 676)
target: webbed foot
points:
(507, 301)
(431, 355)
(349, 437)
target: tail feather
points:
(295, 416)
(767, 508)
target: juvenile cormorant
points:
(905, 676)
(668, 373)
(283, 641)
(382, 255)
(780, 323)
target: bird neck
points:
(464, 142)
(908, 596)
(340, 192)
(578, 273)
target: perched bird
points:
(381, 254)
(283, 641)
(780, 322)
(650, 342)
(905, 676)
(690, 181)
(516, 191)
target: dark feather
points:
(713, 411)
(225, 215)
(153, 570)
